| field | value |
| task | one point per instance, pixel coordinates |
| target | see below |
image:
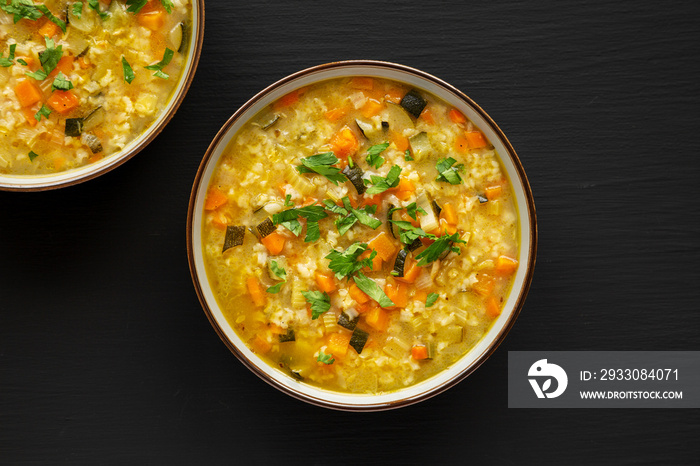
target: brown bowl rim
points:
(480, 359)
(50, 185)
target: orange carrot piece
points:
(457, 117)
(376, 262)
(449, 214)
(59, 163)
(338, 344)
(492, 192)
(27, 93)
(427, 115)
(256, 291)
(274, 242)
(377, 318)
(287, 100)
(357, 294)
(506, 265)
(405, 189)
(446, 227)
(398, 293)
(152, 15)
(362, 82)
(399, 140)
(29, 113)
(394, 95)
(344, 142)
(420, 295)
(493, 307)
(325, 282)
(215, 199)
(219, 221)
(260, 344)
(461, 143)
(371, 108)
(383, 245)
(63, 101)
(475, 139)
(407, 218)
(419, 352)
(372, 200)
(64, 65)
(484, 285)
(49, 29)
(411, 272)
(336, 114)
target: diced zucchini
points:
(450, 334)
(482, 198)
(234, 236)
(369, 130)
(359, 339)
(391, 215)
(414, 245)
(396, 347)
(268, 119)
(397, 118)
(493, 207)
(175, 37)
(420, 146)
(429, 220)
(414, 103)
(265, 227)
(92, 141)
(94, 118)
(289, 336)
(74, 127)
(349, 319)
(400, 262)
(354, 174)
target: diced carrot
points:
(506, 265)
(276, 329)
(64, 65)
(394, 95)
(357, 294)
(399, 140)
(410, 272)
(338, 344)
(384, 246)
(493, 307)
(405, 189)
(407, 218)
(377, 318)
(420, 295)
(492, 192)
(336, 114)
(456, 116)
(419, 352)
(28, 60)
(152, 15)
(287, 100)
(219, 221)
(461, 144)
(427, 115)
(325, 282)
(364, 307)
(274, 242)
(446, 228)
(449, 214)
(256, 291)
(27, 93)
(372, 200)
(398, 293)
(29, 113)
(484, 285)
(260, 343)
(215, 199)
(362, 82)
(475, 139)
(344, 142)
(96, 157)
(48, 29)
(63, 101)
(59, 163)
(371, 108)
(376, 262)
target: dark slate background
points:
(107, 358)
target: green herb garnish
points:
(408, 233)
(407, 156)
(9, 61)
(32, 155)
(322, 164)
(320, 302)
(43, 111)
(432, 297)
(50, 57)
(288, 200)
(39, 75)
(134, 6)
(78, 9)
(372, 290)
(312, 214)
(382, 184)
(435, 250)
(95, 5)
(411, 210)
(325, 358)
(346, 263)
(128, 71)
(168, 5)
(279, 273)
(51, 17)
(21, 9)
(373, 157)
(447, 172)
(158, 67)
(61, 82)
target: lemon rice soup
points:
(360, 235)
(81, 79)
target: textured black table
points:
(107, 358)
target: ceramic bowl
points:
(527, 232)
(92, 170)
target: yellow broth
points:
(441, 308)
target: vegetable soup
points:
(81, 79)
(360, 235)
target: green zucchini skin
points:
(393, 229)
(265, 227)
(414, 245)
(346, 321)
(234, 236)
(358, 339)
(354, 174)
(482, 198)
(74, 127)
(289, 336)
(414, 103)
(400, 262)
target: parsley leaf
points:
(21, 62)
(382, 184)
(322, 164)
(435, 250)
(95, 5)
(39, 75)
(278, 272)
(78, 9)
(58, 22)
(432, 297)
(288, 200)
(320, 302)
(325, 358)
(288, 219)
(9, 61)
(157, 67)
(345, 263)
(365, 218)
(412, 208)
(21, 9)
(371, 288)
(447, 172)
(313, 232)
(373, 157)
(134, 6)
(61, 82)
(408, 233)
(168, 5)
(128, 71)
(43, 111)
(407, 156)
(50, 57)
(32, 155)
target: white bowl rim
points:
(445, 379)
(87, 172)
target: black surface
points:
(107, 358)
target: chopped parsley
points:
(95, 5)
(26, 9)
(32, 155)
(407, 156)
(168, 5)
(39, 75)
(134, 6)
(346, 263)
(448, 172)
(382, 184)
(43, 111)
(312, 214)
(372, 290)
(50, 57)
(323, 165)
(320, 302)
(325, 358)
(9, 61)
(435, 250)
(128, 71)
(78, 9)
(411, 210)
(432, 297)
(373, 157)
(408, 233)
(58, 22)
(21, 62)
(288, 200)
(158, 67)
(61, 82)
(278, 272)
